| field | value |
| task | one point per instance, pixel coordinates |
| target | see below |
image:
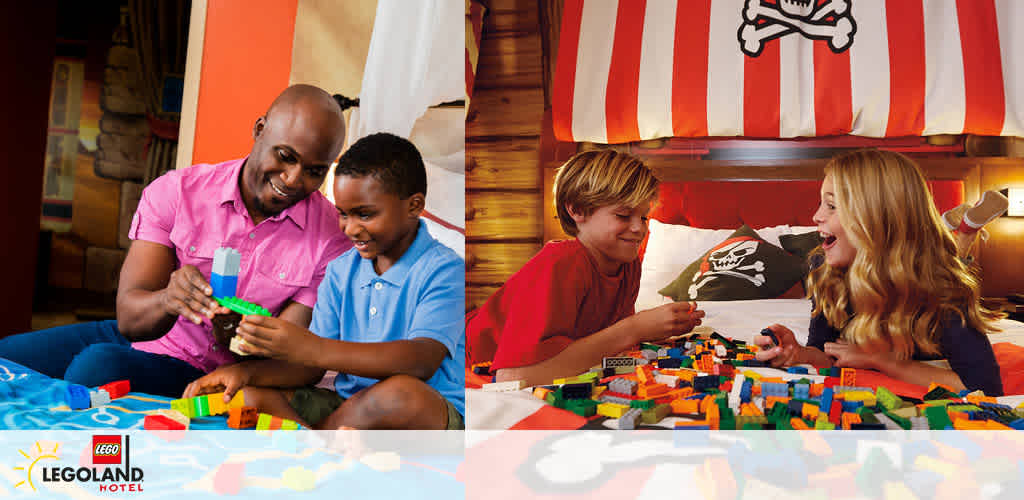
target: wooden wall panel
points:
(505, 112)
(509, 60)
(503, 127)
(511, 16)
(493, 263)
(502, 164)
(503, 216)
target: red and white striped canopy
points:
(632, 70)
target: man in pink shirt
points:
(267, 206)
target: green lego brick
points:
(900, 421)
(962, 407)
(937, 417)
(687, 362)
(588, 377)
(242, 307)
(184, 406)
(649, 347)
(643, 404)
(200, 406)
(939, 393)
(550, 398)
(582, 407)
(887, 399)
(824, 371)
(824, 425)
(866, 415)
(289, 425)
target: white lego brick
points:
(669, 380)
(226, 261)
(615, 362)
(98, 397)
(512, 386)
(720, 351)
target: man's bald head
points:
(316, 105)
(295, 142)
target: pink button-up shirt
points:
(198, 209)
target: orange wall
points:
(247, 58)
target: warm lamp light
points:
(1016, 197)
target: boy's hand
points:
(227, 379)
(787, 352)
(667, 320)
(851, 356)
(188, 294)
(277, 339)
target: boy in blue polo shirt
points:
(388, 316)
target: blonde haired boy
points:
(572, 303)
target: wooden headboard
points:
(718, 194)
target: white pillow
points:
(670, 248)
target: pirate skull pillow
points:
(743, 267)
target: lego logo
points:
(107, 449)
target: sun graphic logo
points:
(42, 451)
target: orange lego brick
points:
(798, 424)
(707, 401)
(685, 406)
(816, 390)
(771, 400)
(242, 417)
(978, 399)
(809, 411)
(648, 391)
(541, 392)
(848, 377)
(962, 424)
(712, 415)
(848, 419)
(645, 373)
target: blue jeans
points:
(93, 354)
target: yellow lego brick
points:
(612, 410)
(216, 402)
(867, 398)
(596, 392)
(752, 375)
(237, 401)
(559, 381)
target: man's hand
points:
(666, 321)
(189, 295)
(276, 338)
(227, 379)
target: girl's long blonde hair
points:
(905, 278)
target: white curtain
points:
(417, 60)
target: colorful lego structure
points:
(721, 392)
(79, 397)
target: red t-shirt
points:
(558, 297)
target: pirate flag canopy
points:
(788, 68)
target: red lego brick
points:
(117, 389)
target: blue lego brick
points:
(675, 352)
(774, 389)
(835, 371)
(745, 390)
(1018, 424)
(77, 397)
(802, 391)
(851, 406)
(797, 369)
(826, 398)
(223, 286)
(670, 363)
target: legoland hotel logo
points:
(114, 473)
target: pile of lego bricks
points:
(239, 416)
(708, 384)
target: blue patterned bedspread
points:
(31, 400)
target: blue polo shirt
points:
(421, 296)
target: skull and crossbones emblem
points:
(764, 22)
(725, 260)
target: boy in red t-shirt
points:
(572, 303)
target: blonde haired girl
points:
(890, 291)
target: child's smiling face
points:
(381, 225)
(613, 234)
(839, 250)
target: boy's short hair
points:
(393, 161)
(594, 179)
